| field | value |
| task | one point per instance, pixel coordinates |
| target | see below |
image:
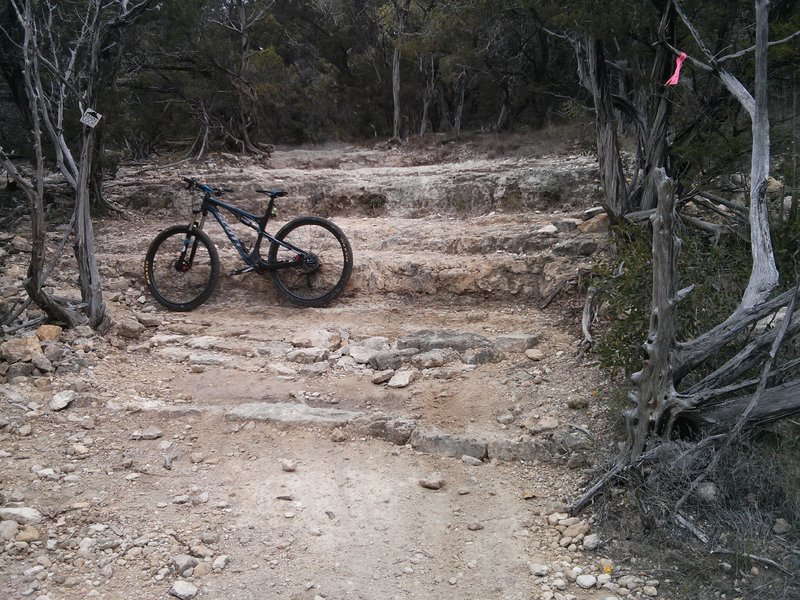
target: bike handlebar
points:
(193, 183)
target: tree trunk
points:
(88, 274)
(505, 107)
(594, 75)
(427, 97)
(655, 380)
(402, 15)
(764, 274)
(461, 90)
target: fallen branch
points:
(682, 521)
(755, 557)
(561, 285)
(745, 416)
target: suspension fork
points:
(184, 263)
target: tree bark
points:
(88, 274)
(402, 15)
(594, 75)
(655, 381)
(764, 273)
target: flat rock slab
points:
(441, 443)
(22, 515)
(429, 339)
(287, 413)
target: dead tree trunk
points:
(655, 381)
(88, 275)
(764, 273)
(594, 76)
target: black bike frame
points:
(253, 257)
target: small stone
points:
(49, 333)
(649, 590)
(183, 590)
(28, 533)
(220, 562)
(62, 400)
(506, 418)
(382, 376)
(471, 460)
(540, 425)
(183, 499)
(196, 457)
(41, 362)
(591, 541)
(433, 482)
(360, 354)
(25, 430)
(586, 581)
(707, 491)
(577, 403)
(781, 526)
(515, 342)
(151, 433)
(475, 526)
(402, 379)
(289, 466)
(182, 562)
(339, 436)
(8, 530)
(535, 354)
(20, 349)
(538, 569)
(210, 537)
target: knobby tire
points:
(312, 285)
(181, 286)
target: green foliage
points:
(719, 273)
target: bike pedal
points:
(241, 271)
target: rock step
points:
(398, 430)
(496, 256)
(334, 185)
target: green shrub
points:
(719, 273)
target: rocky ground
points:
(419, 438)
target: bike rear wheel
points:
(328, 263)
(181, 268)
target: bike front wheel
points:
(181, 268)
(322, 268)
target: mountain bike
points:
(309, 259)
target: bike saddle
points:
(276, 193)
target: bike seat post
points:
(268, 214)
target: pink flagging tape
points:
(676, 75)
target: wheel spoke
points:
(322, 275)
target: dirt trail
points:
(151, 476)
